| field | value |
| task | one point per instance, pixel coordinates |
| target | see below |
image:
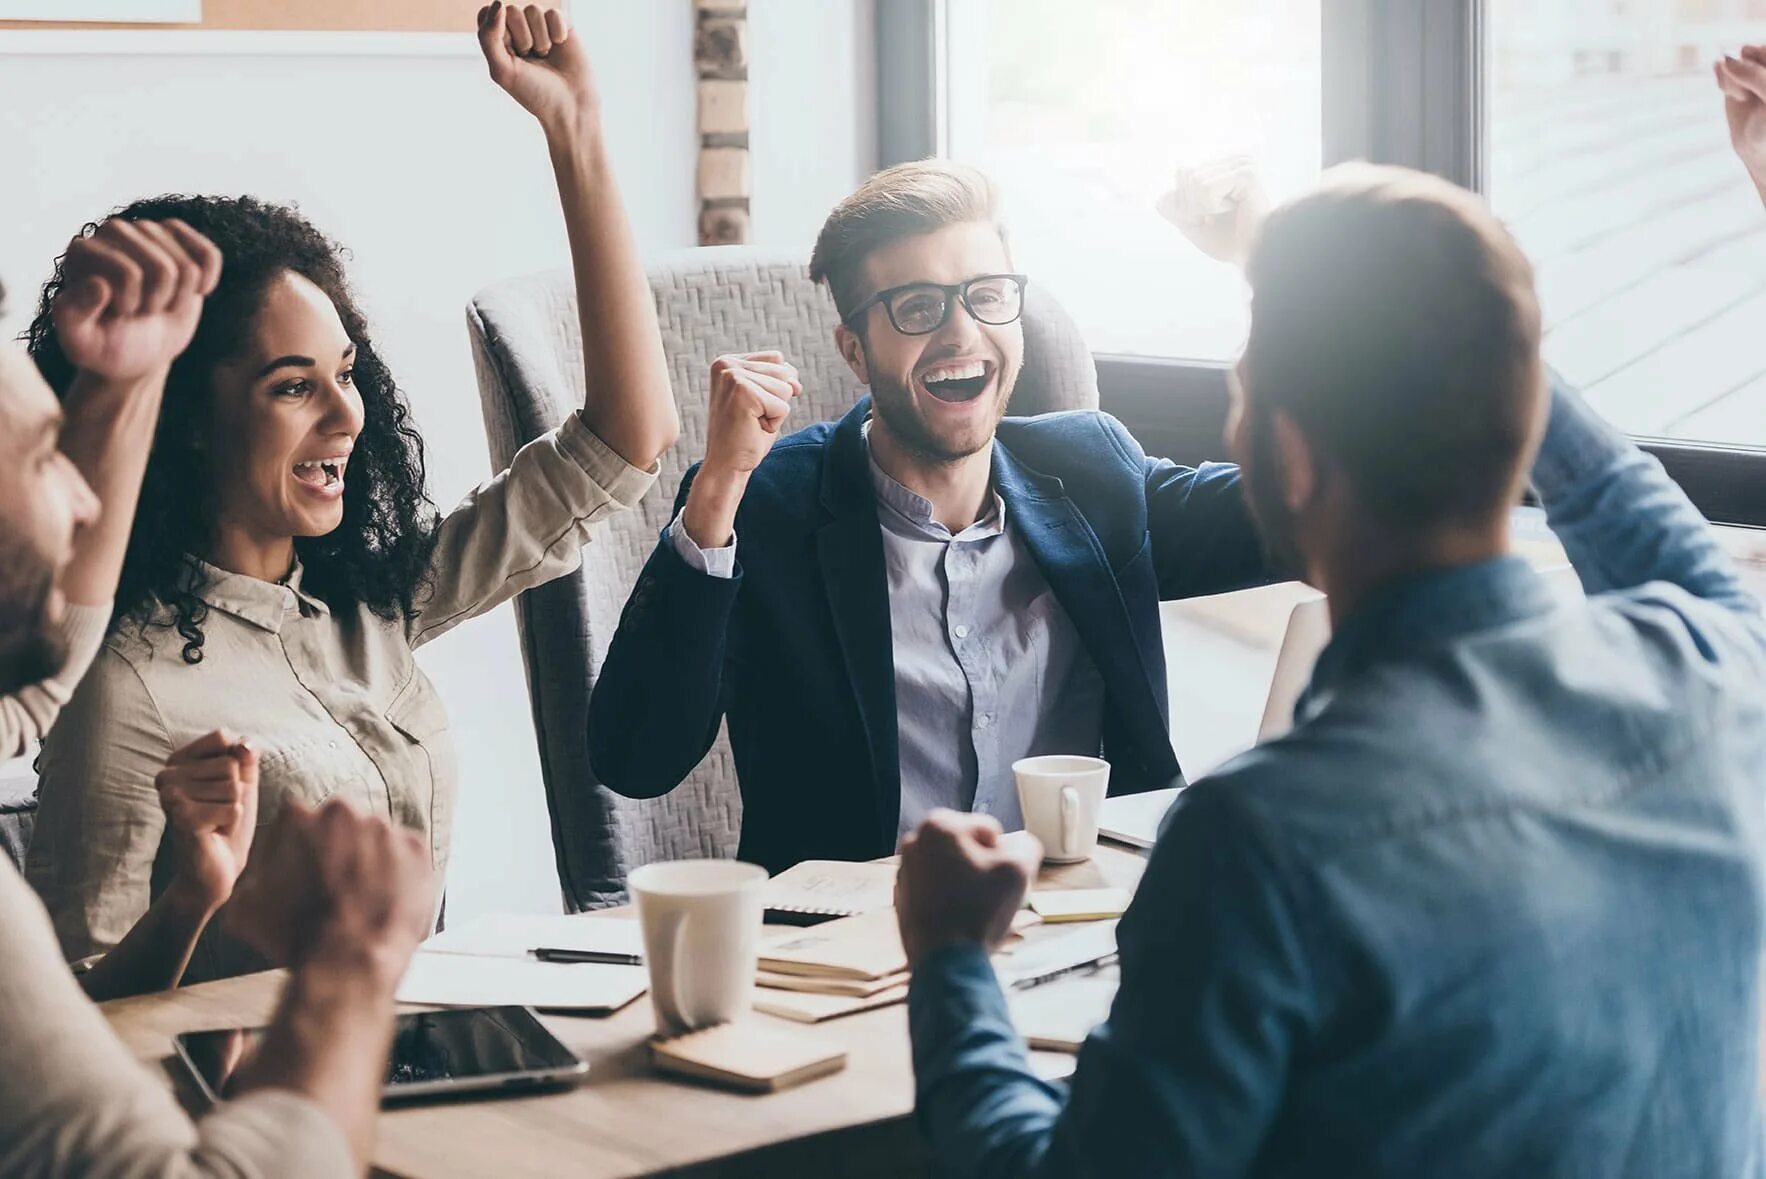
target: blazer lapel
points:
(1073, 562)
(849, 549)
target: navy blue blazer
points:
(795, 649)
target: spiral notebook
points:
(822, 890)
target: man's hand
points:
(1743, 82)
(131, 295)
(750, 400)
(961, 881)
(336, 888)
(534, 55)
(209, 791)
(1218, 206)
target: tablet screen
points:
(432, 1051)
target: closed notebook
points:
(822, 984)
(819, 890)
(747, 1056)
(1079, 904)
(867, 947)
(810, 1007)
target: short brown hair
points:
(1395, 320)
(903, 201)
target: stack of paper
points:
(862, 948)
(487, 963)
(1059, 1016)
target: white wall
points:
(439, 185)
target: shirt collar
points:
(916, 510)
(1426, 610)
(264, 604)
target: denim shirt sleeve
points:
(1622, 521)
(1187, 1074)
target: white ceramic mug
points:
(701, 921)
(1060, 796)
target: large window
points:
(1084, 112)
(1594, 126)
(1609, 159)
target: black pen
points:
(604, 957)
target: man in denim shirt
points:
(1494, 906)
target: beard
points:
(1275, 523)
(894, 403)
(31, 645)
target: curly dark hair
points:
(378, 556)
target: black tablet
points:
(434, 1054)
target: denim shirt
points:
(1494, 907)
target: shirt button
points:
(333, 744)
(982, 722)
(962, 632)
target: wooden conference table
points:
(626, 1120)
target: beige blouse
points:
(334, 701)
(75, 1101)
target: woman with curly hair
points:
(285, 559)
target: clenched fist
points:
(209, 792)
(131, 294)
(750, 400)
(961, 881)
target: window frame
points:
(1404, 83)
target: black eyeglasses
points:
(921, 308)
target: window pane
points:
(1083, 112)
(1610, 160)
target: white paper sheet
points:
(462, 980)
(513, 935)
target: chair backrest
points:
(528, 350)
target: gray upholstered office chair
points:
(528, 350)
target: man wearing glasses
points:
(922, 593)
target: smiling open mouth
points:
(324, 474)
(957, 383)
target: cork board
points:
(330, 16)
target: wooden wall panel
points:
(366, 16)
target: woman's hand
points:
(209, 791)
(533, 53)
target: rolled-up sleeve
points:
(74, 1101)
(99, 820)
(25, 715)
(524, 527)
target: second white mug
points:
(701, 922)
(1060, 796)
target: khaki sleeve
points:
(525, 527)
(99, 821)
(74, 1101)
(26, 715)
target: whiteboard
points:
(119, 11)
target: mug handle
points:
(676, 939)
(1069, 821)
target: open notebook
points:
(822, 890)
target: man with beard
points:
(922, 593)
(1494, 906)
(134, 309)
(343, 898)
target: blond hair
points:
(903, 201)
